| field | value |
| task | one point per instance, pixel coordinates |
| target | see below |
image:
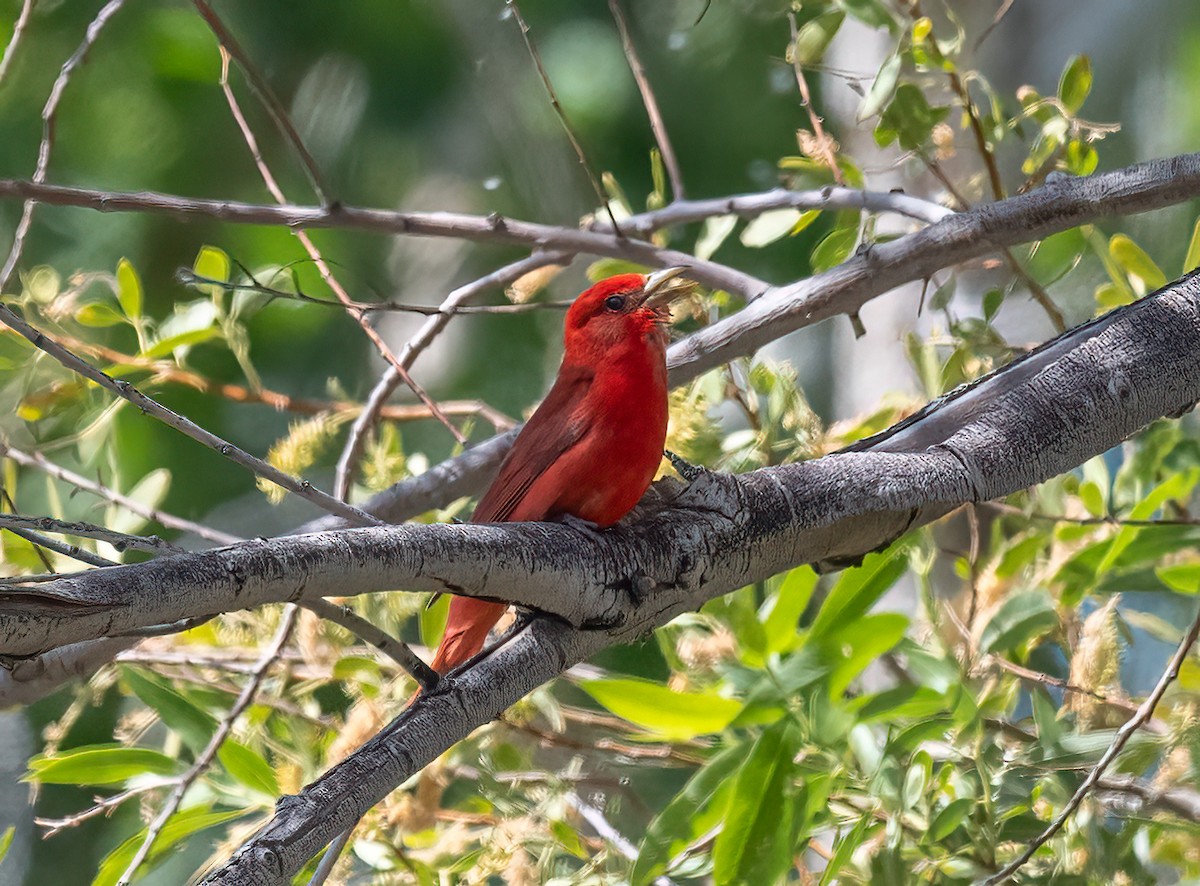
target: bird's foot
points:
(587, 527)
(688, 471)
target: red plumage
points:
(593, 446)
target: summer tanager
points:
(593, 446)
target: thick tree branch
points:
(1043, 414)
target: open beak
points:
(662, 288)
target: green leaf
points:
(950, 818)
(129, 289)
(753, 845)
(901, 703)
(148, 492)
(814, 37)
(1192, 260)
(671, 829)
(214, 264)
(98, 315)
(169, 345)
(908, 118)
(1134, 261)
(1056, 256)
(881, 89)
(857, 590)
(992, 300)
(178, 827)
(834, 248)
(608, 267)
(1019, 619)
(193, 725)
(770, 226)
(845, 848)
(782, 612)
(1174, 488)
(1182, 578)
(861, 642)
(99, 764)
(6, 840)
(1075, 83)
(678, 716)
(248, 768)
(712, 234)
(1081, 158)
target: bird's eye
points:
(615, 302)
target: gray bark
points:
(1043, 414)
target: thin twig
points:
(186, 426)
(319, 260)
(562, 114)
(395, 649)
(601, 825)
(330, 858)
(189, 278)
(648, 101)
(372, 409)
(981, 145)
(119, 540)
(683, 212)
(491, 228)
(18, 30)
(204, 760)
(165, 371)
(262, 90)
(100, 806)
(824, 142)
(1144, 712)
(39, 462)
(49, 110)
(73, 552)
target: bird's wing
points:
(556, 426)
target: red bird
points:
(593, 446)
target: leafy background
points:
(789, 730)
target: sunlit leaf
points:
(1075, 83)
(129, 289)
(99, 765)
(663, 711)
(248, 768)
(670, 830)
(178, 827)
(753, 845)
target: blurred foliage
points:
(787, 732)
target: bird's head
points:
(624, 309)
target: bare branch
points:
(49, 112)
(648, 100)
(359, 315)
(750, 205)
(264, 93)
(74, 552)
(119, 540)
(418, 343)
(39, 462)
(10, 50)
(394, 649)
(206, 757)
(186, 426)
(561, 113)
(1144, 713)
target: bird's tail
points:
(466, 630)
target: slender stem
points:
(39, 462)
(1144, 713)
(49, 112)
(119, 540)
(206, 757)
(648, 100)
(562, 114)
(10, 50)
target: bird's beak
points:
(661, 287)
